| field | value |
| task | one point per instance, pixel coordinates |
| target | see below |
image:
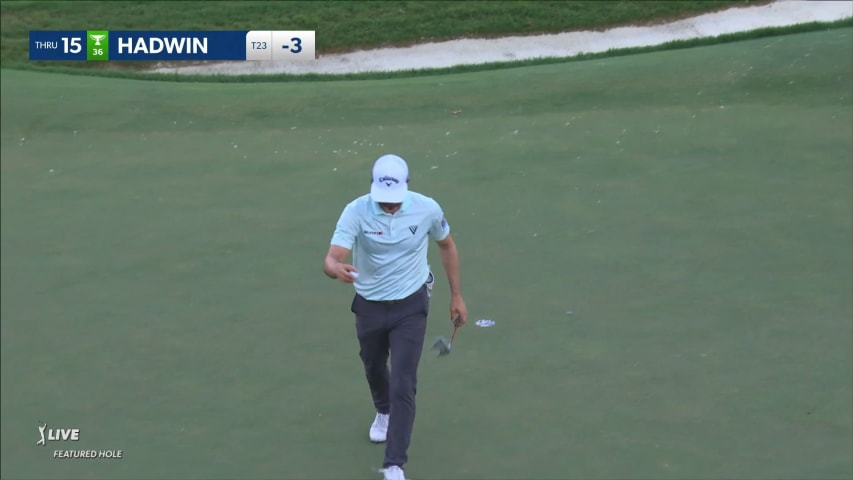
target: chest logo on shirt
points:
(413, 229)
(368, 232)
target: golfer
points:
(388, 231)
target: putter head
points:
(442, 345)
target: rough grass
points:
(133, 73)
(340, 25)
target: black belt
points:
(392, 302)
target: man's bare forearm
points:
(450, 260)
(329, 266)
(336, 256)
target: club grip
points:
(456, 322)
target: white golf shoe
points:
(379, 428)
(394, 473)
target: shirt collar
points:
(407, 202)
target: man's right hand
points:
(342, 271)
(335, 267)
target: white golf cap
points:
(390, 179)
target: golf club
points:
(442, 344)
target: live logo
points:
(63, 434)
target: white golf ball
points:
(354, 274)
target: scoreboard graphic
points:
(171, 45)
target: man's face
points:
(390, 208)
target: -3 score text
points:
(294, 47)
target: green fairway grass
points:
(162, 285)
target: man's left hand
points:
(458, 309)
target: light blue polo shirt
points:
(390, 251)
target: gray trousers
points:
(396, 329)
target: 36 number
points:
(97, 52)
(74, 46)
